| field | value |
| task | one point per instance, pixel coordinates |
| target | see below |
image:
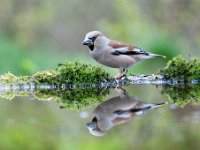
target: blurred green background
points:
(36, 35)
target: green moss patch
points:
(182, 69)
(67, 73)
(10, 78)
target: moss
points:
(23, 79)
(8, 78)
(45, 77)
(182, 94)
(71, 73)
(78, 73)
(67, 73)
(182, 69)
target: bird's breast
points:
(121, 61)
(95, 55)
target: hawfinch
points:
(115, 54)
(116, 111)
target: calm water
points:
(125, 119)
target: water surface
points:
(48, 124)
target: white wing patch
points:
(122, 49)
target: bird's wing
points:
(133, 110)
(125, 49)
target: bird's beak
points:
(91, 125)
(87, 41)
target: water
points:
(39, 119)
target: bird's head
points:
(94, 129)
(94, 39)
(100, 123)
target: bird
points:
(115, 54)
(117, 110)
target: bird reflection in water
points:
(116, 111)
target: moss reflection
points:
(182, 94)
(68, 97)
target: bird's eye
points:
(93, 38)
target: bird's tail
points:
(156, 55)
(147, 107)
(158, 104)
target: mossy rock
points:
(66, 73)
(182, 69)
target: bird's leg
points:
(118, 76)
(121, 73)
(124, 72)
(120, 90)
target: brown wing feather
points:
(128, 49)
(117, 44)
